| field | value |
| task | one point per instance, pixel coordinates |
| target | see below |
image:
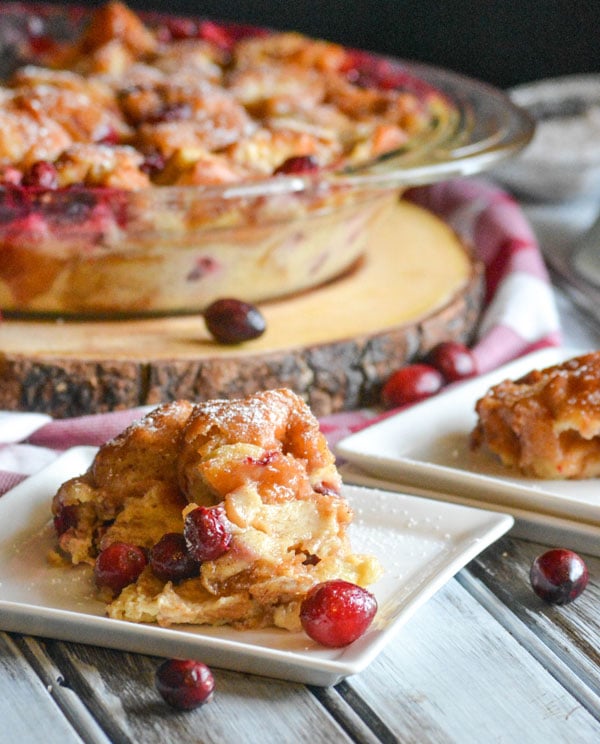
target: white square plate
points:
(421, 544)
(427, 446)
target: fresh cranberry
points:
(185, 684)
(118, 565)
(170, 560)
(559, 576)
(233, 321)
(410, 384)
(454, 360)
(336, 613)
(207, 533)
(65, 518)
(297, 165)
(41, 174)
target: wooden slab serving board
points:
(335, 345)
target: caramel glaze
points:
(546, 423)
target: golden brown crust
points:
(279, 431)
(547, 423)
(265, 463)
(147, 451)
(141, 463)
(263, 100)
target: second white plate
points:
(427, 446)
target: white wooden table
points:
(483, 661)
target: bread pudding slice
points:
(257, 471)
(546, 423)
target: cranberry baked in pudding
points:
(121, 152)
(546, 423)
(224, 512)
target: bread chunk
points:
(264, 464)
(546, 423)
(253, 101)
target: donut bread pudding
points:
(180, 103)
(263, 465)
(546, 423)
(120, 153)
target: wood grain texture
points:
(119, 690)
(27, 711)
(416, 286)
(571, 632)
(454, 674)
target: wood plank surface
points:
(570, 632)
(27, 710)
(416, 285)
(119, 690)
(454, 674)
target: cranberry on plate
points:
(207, 532)
(335, 613)
(118, 565)
(170, 560)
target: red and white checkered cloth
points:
(520, 316)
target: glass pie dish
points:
(172, 243)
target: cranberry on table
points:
(232, 321)
(336, 613)
(118, 565)
(454, 360)
(185, 684)
(559, 576)
(410, 384)
(207, 532)
(169, 558)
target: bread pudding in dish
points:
(546, 423)
(231, 509)
(154, 165)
